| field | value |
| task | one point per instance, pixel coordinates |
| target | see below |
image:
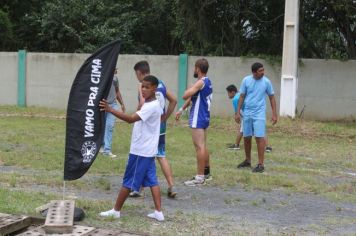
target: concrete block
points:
(11, 223)
(60, 217)
(78, 230)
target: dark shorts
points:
(161, 146)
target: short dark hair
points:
(255, 66)
(142, 66)
(231, 88)
(203, 65)
(151, 79)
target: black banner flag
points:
(85, 123)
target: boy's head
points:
(201, 67)
(257, 70)
(231, 91)
(149, 86)
(142, 68)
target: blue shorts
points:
(254, 127)
(161, 146)
(140, 171)
(200, 125)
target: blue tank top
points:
(161, 96)
(200, 110)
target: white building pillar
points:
(289, 78)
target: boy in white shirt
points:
(141, 168)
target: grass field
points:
(308, 157)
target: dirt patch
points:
(275, 212)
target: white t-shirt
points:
(145, 133)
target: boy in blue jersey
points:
(142, 69)
(253, 96)
(140, 168)
(200, 95)
(233, 94)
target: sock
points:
(207, 170)
(199, 177)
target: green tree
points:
(5, 31)
(327, 29)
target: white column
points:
(289, 78)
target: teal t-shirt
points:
(235, 102)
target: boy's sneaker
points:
(109, 154)
(135, 194)
(268, 149)
(208, 177)
(157, 215)
(110, 213)
(234, 147)
(195, 182)
(171, 193)
(259, 169)
(244, 164)
(101, 150)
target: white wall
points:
(327, 88)
(8, 78)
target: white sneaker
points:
(110, 213)
(157, 215)
(110, 154)
(195, 182)
(101, 150)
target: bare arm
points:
(185, 105)
(104, 106)
(274, 109)
(141, 98)
(192, 90)
(237, 114)
(172, 104)
(119, 98)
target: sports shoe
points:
(195, 182)
(110, 213)
(171, 193)
(101, 150)
(135, 194)
(109, 154)
(244, 164)
(208, 177)
(157, 215)
(234, 147)
(268, 149)
(259, 169)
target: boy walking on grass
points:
(141, 167)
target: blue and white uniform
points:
(141, 167)
(161, 96)
(200, 111)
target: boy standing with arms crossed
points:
(141, 168)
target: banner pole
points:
(64, 189)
